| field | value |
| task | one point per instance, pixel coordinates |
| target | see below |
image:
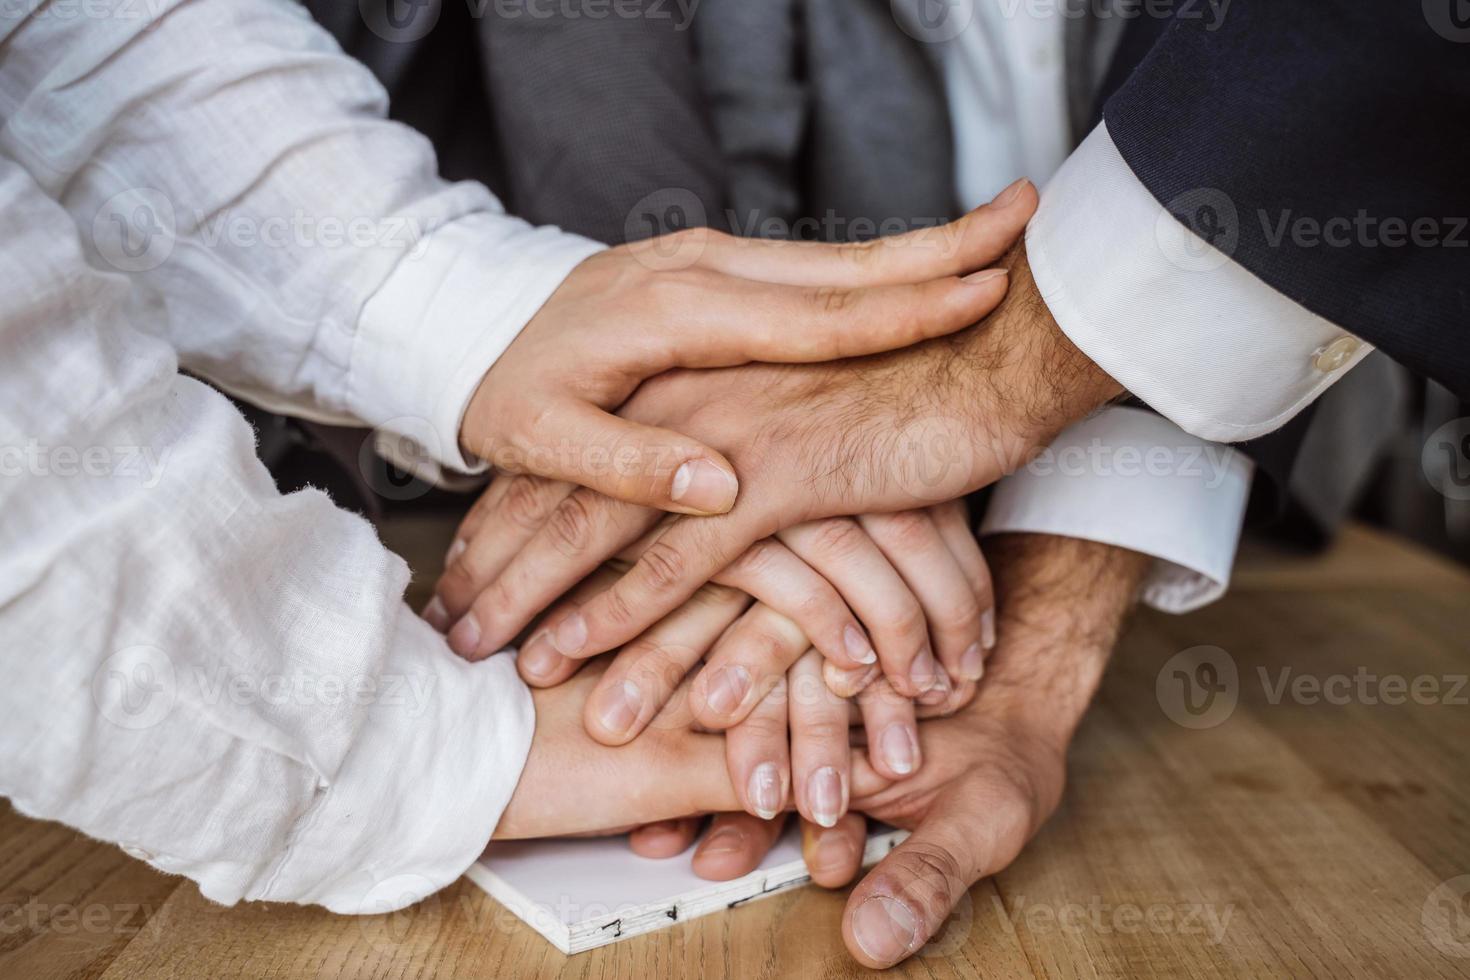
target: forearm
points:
(1061, 604)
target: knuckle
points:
(656, 663)
(937, 876)
(763, 727)
(906, 529)
(757, 560)
(525, 503)
(910, 624)
(824, 730)
(616, 610)
(570, 526)
(831, 300)
(664, 566)
(838, 538)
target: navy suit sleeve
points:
(1339, 135)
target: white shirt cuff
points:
(418, 797)
(445, 315)
(1172, 318)
(1128, 478)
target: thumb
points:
(639, 464)
(906, 899)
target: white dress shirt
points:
(1124, 477)
(222, 679)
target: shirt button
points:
(134, 851)
(1336, 354)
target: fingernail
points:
(825, 796)
(1008, 196)
(923, 672)
(765, 790)
(885, 929)
(984, 275)
(570, 635)
(848, 683)
(617, 707)
(942, 689)
(464, 639)
(972, 663)
(899, 744)
(859, 650)
(455, 550)
(834, 852)
(727, 689)
(538, 657)
(436, 615)
(987, 629)
(725, 840)
(703, 486)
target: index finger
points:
(962, 246)
(669, 571)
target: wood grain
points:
(1292, 839)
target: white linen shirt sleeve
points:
(1174, 320)
(223, 680)
(1128, 478)
(227, 154)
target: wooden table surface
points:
(1295, 836)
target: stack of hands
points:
(755, 586)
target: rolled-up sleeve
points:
(307, 257)
(223, 680)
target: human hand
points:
(720, 626)
(890, 432)
(892, 588)
(993, 772)
(702, 299)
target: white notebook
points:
(587, 892)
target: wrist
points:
(1061, 604)
(1034, 381)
